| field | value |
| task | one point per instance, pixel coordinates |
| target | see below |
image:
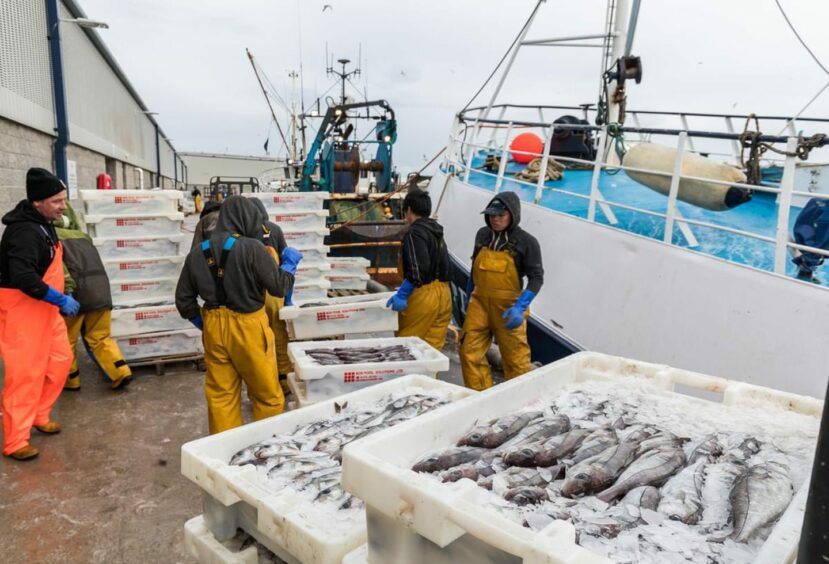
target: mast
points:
(268, 100)
(618, 49)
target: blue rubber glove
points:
(400, 300)
(514, 316)
(289, 259)
(198, 322)
(470, 287)
(67, 304)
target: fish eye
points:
(475, 436)
(582, 477)
(527, 452)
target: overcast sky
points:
(187, 59)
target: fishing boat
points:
(667, 243)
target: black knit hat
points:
(42, 184)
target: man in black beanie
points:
(33, 339)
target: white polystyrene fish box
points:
(164, 344)
(137, 292)
(298, 220)
(310, 292)
(340, 316)
(130, 202)
(348, 266)
(348, 282)
(305, 239)
(324, 381)
(138, 247)
(147, 319)
(289, 201)
(314, 255)
(415, 518)
(123, 269)
(311, 273)
(284, 520)
(134, 225)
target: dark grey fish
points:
(449, 459)
(516, 477)
(600, 471)
(709, 447)
(651, 469)
(560, 447)
(720, 477)
(758, 499)
(539, 430)
(526, 495)
(596, 442)
(661, 440)
(497, 431)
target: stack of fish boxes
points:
(348, 273)
(302, 219)
(138, 235)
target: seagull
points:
(327, 7)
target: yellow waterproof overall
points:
(280, 331)
(428, 314)
(497, 286)
(96, 327)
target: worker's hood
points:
(430, 225)
(239, 215)
(210, 207)
(24, 212)
(513, 204)
(262, 210)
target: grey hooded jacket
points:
(249, 272)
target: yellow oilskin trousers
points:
(497, 286)
(95, 326)
(428, 314)
(280, 331)
(239, 347)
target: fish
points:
(660, 440)
(652, 468)
(539, 430)
(595, 443)
(515, 477)
(720, 478)
(682, 494)
(646, 497)
(497, 431)
(709, 447)
(758, 499)
(549, 452)
(597, 473)
(447, 459)
(355, 355)
(526, 495)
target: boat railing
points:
(465, 144)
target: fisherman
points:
(231, 271)
(207, 223)
(87, 281)
(196, 193)
(811, 228)
(33, 340)
(498, 302)
(274, 240)
(423, 300)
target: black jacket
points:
(425, 258)
(26, 250)
(249, 272)
(523, 247)
(274, 237)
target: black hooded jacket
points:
(26, 250)
(425, 258)
(523, 247)
(274, 237)
(249, 271)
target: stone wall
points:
(20, 149)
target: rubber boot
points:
(122, 383)
(73, 382)
(27, 452)
(50, 428)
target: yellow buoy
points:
(708, 195)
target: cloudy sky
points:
(427, 57)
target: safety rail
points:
(464, 146)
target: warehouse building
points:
(66, 105)
(202, 167)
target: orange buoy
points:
(528, 143)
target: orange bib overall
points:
(36, 357)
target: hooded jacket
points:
(26, 250)
(88, 281)
(425, 258)
(523, 247)
(207, 223)
(249, 272)
(274, 236)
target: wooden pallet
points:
(160, 363)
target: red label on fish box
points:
(129, 200)
(125, 222)
(337, 314)
(352, 376)
(157, 314)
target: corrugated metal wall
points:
(25, 68)
(103, 115)
(201, 167)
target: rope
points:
(388, 196)
(749, 139)
(555, 170)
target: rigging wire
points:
(504, 58)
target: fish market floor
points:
(109, 487)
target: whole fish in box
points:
(359, 355)
(516, 477)
(661, 440)
(720, 478)
(449, 459)
(598, 472)
(709, 448)
(526, 495)
(759, 497)
(549, 452)
(650, 469)
(497, 431)
(682, 494)
(646, 497)
(595, 443)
